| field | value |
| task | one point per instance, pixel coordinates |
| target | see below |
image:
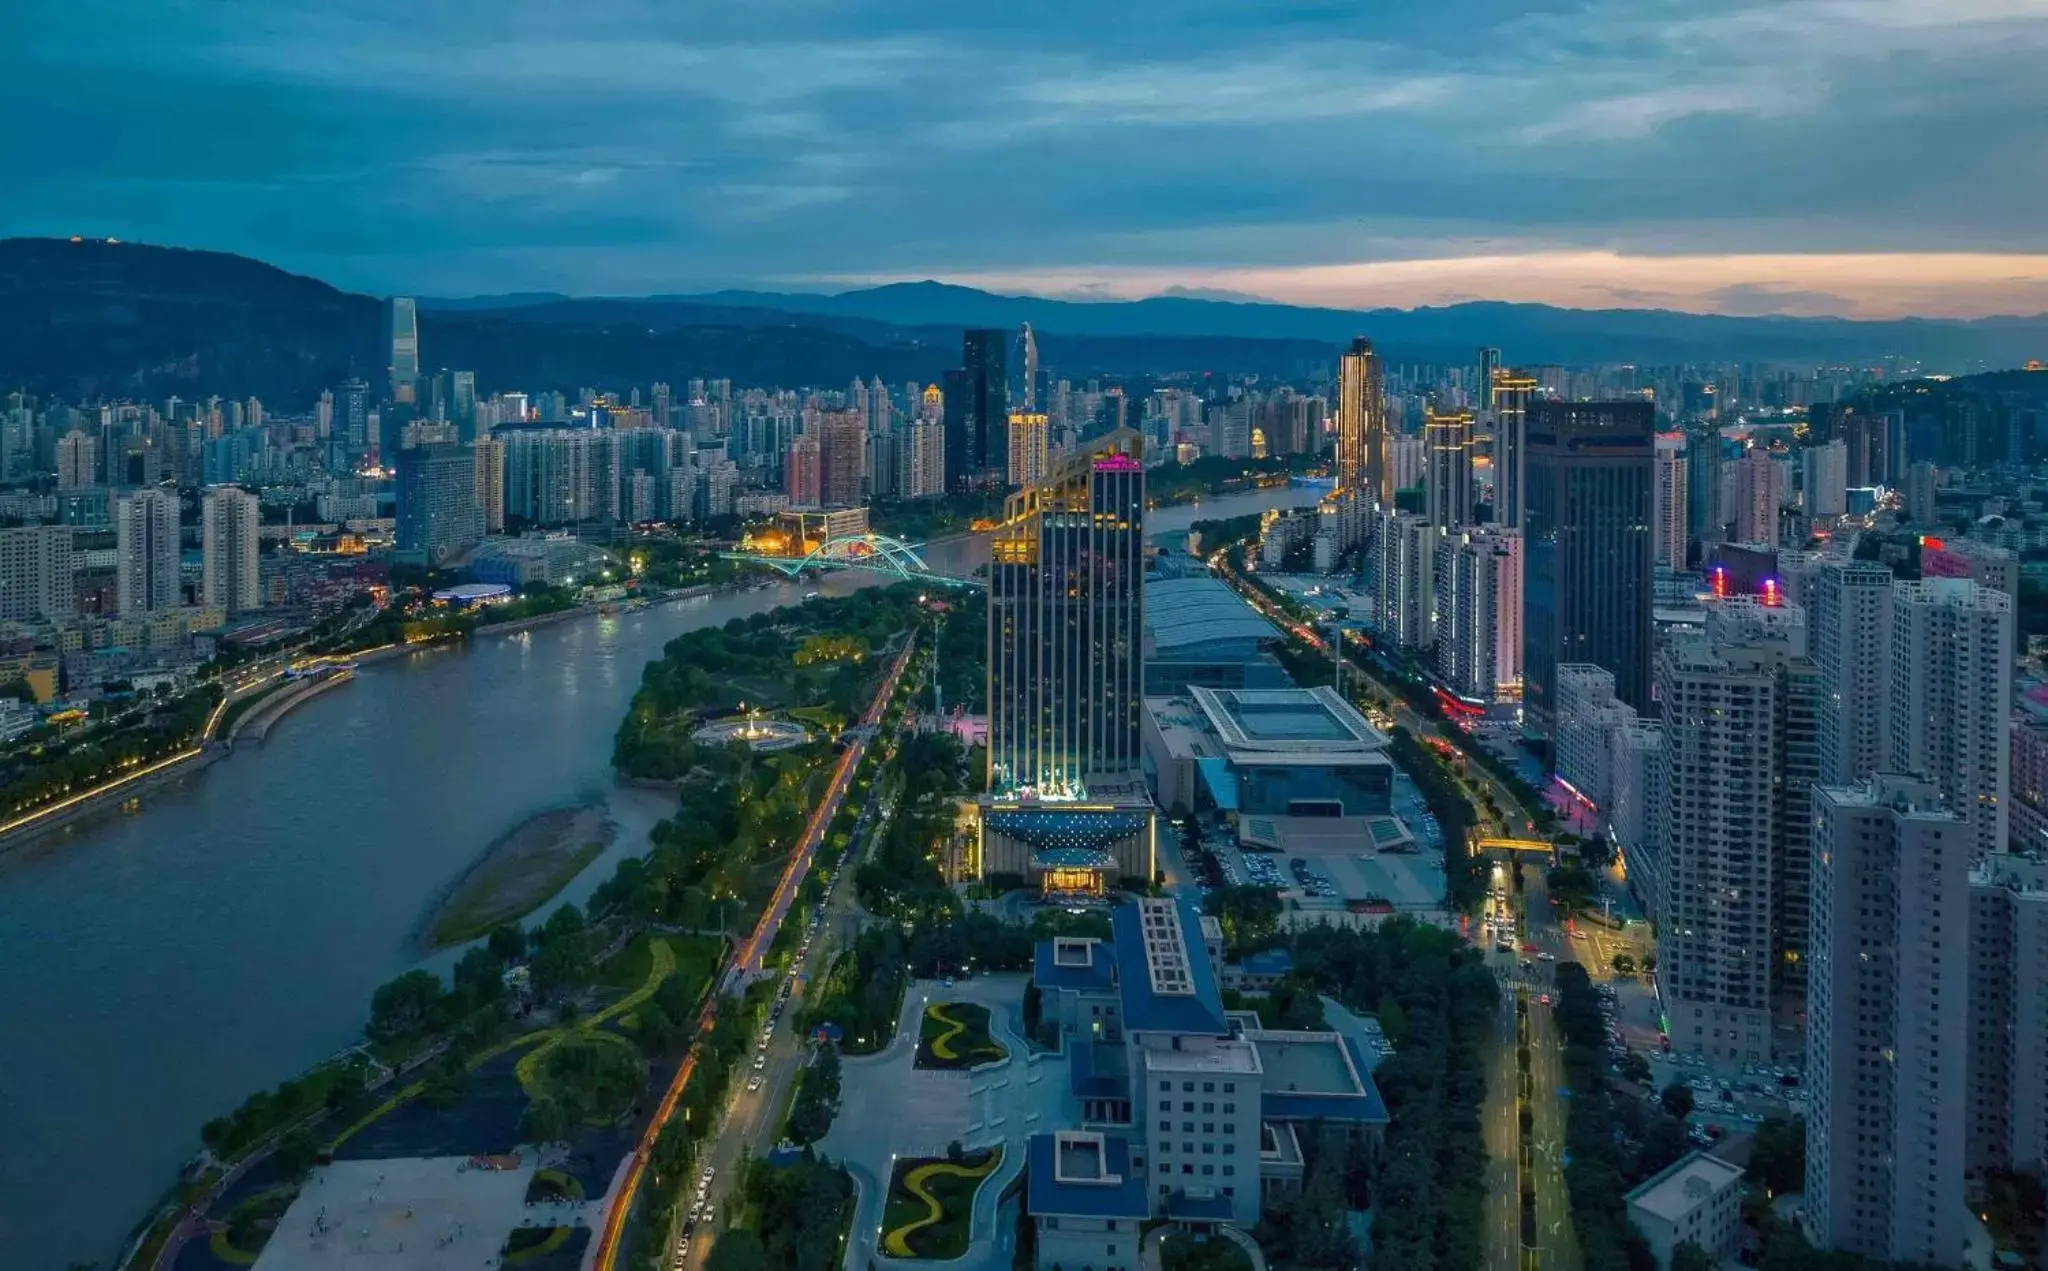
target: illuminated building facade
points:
(1447, 439)
(1362, 424)
(1511, 391)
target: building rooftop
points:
(1198, 613)
(1163, 971)
(1315, 1077)
(1080, 1174)
(1290, 720)
(1683, 1184)
(1074, 962)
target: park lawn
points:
(954, 1035)
(918, 1186)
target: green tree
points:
(545, 1121)
(1677, 1099)
(1624, 964)
(562, 958)
(296, 1154)
(1250, 916)
(1778, 1159)
(672, 1151)
(1690, 1257)
(737, 1249)
(407, 1004)
(1636, 1068)
(1393, 1020)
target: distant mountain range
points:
(90, 319)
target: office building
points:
(977, 411)
(1198, 630)
(1668, 502)
(77, 461)
(1950, 698)
(842, 458)
(2007, 1080)
(1697, 1200)
(402, 335)
(439, 513)
(1404, 549)
(1485, 366)
(1282, 753)
(1479, 613)
(462, 404)
(1704, 455)
(230, 578)
(488, 454)
(1739, 762)
(146, 552)
(35, 574)
(1824, 478)
(1447, 480)
(1849, 634)
(1981, 563)
(1025, 396)
(1362, 428)
(1029, 448)
(1511, 394)
(1887, 1020)
(1586, 598)
(1066, 629)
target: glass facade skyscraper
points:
(1066, 626)
(1362, 425)
(977, 434)
(1590, 467)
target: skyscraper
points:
(1029, 447)
(351, 420)
(77, 461)
(1362, 425)
(1404, 578)
(803, 473)
(561, 476)
(1447, 438)
(1066, 630)
(1026, 398)
(228, 532)
(1850, 634)
(1668, 502)
(1479, 612)
(439, 514)
(402, 334)
(1484, 367)
(1587, 538)
(1950, 698)
(953, 416)
(985, 419)
(1759, 493)
(1824, 478)
(146, 552)
(1512, 391)
(462, 404)
(842, 457)
(35, 574)
(1887, 1022)
(488, 453)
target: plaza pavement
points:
(890, 1109)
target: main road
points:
(747, 959)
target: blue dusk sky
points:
(1863, 157)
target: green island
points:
(930, 1210)
(521, 872)
(954, 1035)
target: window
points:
(1166, 1105)
(1166, 1085)
(1208, 1087)
(1112, 1251)
(1228, 1170)
(1208, 1169)
(1187, 1087)
(1230, 1087)
(1112, 1227)
(1052, 1224)
(1187, 1105)
(1187, 1169)
(1230, 1107)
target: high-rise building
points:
(1887, 1018)
(351, 422)
(842, 457)
(2007, 1081)
(1922, 480)
(1739, 748)
(1824, 478)
(146, 552)
(1404, 548)
(77, 461)
(1362, 424)
(921, 461)
(1587, 543)
(561, 476)
(1025, 395)
(402, 334)
(1485, 366)
(488, 453)
(35, 574)
(1066, 629)
(1447, 482)
(1029, 447)
(1668, 502)
(439, 513)
(1950, 698)
(803, 472)
(1479, 612)
(1759, 493)
(953, 406)
(229, 521)
(984, 412)
(1704, 449)
(462, 404)
(1511, 394)
(1849, 633)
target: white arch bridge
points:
(875, 553)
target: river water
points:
(157, 966)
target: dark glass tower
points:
(1590, 466)
(985, 357)
(1066, 625)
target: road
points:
(750, 953)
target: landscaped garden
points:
(930, 1212)
(954, 1035)
(1186, 1251)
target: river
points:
(159, 965)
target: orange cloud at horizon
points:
(1865, 285)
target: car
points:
(1547, 956)
(709, 1218)
(1545, 999)
(710, 1172)
(753, 1083)
(1504, 946)
(760, 1062)
(949, 981)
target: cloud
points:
(665, 144)
(1750, 299)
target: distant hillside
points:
(95, 319)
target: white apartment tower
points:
(2008, 1082)
(1404, 576)
(1479, 612)
(146, 552)
(1951, 697)
(77, 461)
(35, 574)
(1886, 1023)
(1668, 502)
(1850, 638)
(1824, 479)
(228, 530)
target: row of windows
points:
(1166, 1167)
(1208, 1087)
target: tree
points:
(563, 956)
(1778, 1160)
(672, 1151)
(1636, 1068)
(296, 1155)
(1624, 964)
(544, 1121)
(737, 1249)
(1677, 1099)
(1250, 916)
(347, 1087)
(507, 942)
(479, 977)
(1690, 1257)
(1393, 1020)
(405, 1005)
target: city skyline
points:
(664, 151)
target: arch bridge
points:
(875, 553)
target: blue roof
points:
(1098, 976)
(1200, 611)
(1144, 1011)
(1268, 962)
(1220, 781)
(1047, 1193)
(1201, 1208)
(1366, 1107)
